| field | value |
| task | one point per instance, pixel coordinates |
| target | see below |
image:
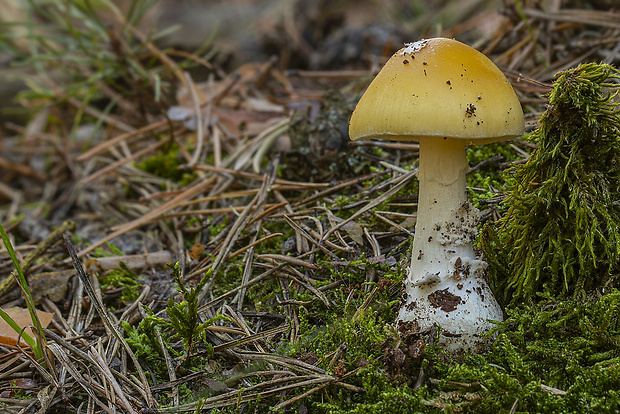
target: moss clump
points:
(124, 278)
(561, 233)
(166, 164)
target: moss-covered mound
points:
(561, 233)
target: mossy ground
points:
(556, 352)
(551, 355)
(554, 355)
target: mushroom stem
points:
(446, 284)
(442, 193)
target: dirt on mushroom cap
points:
(440, 88)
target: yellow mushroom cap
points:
(438, 88)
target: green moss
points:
(142, 340)
(124, 278)
(487, 181)
(166, 164)
(562, 231)
(381, 396)
(548, 358)
(109, 250)
(217, 228)
(538, 364)
(570, 345)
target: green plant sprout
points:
(37, 343)
(183, 317)
(561, 233)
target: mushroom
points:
(445, 95)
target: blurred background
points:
(338, 34)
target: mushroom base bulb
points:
(464, 311)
